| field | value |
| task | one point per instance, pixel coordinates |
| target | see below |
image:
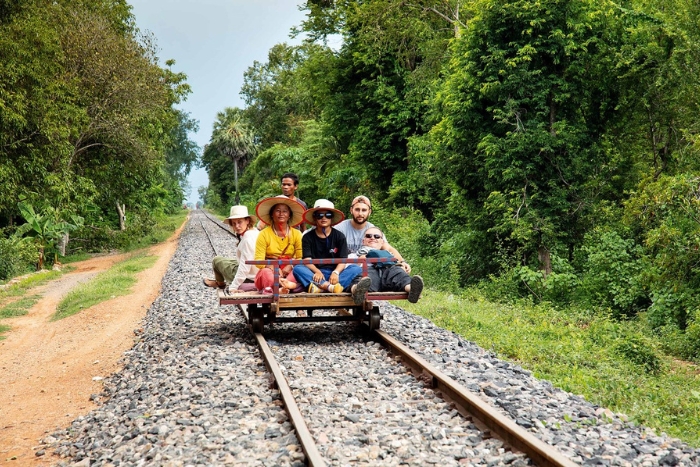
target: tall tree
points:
(529, 93)
(232, 139)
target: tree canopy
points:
(87, 114)
(545, 144)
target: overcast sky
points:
(214, 42)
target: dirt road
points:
(49, 370)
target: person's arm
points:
(261, 248)
(246, 250)
(395, 253)
(307, 247)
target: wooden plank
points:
(321, 300)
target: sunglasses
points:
(321, 215)
(377, 236)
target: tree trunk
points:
(235, 172)
(545, 260)
(121, 210)
(63, 243)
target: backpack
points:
(381, 254)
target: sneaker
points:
(360, 294)
(337, 288)
(313, 288)
(416, 289)
(214, 284)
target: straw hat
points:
(263, 210)
(240, 212)
(323, 205)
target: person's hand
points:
(406, 267)
(230, 290)
(333, 279)
(318, 277)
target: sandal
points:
(214, 284)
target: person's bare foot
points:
(287, 284)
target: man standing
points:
(290, 184)
(354, 228)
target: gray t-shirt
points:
(353, 236)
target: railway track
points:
(473, 409)
(195, 390)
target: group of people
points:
(331, 236)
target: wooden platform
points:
(304, 300)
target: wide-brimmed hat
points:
(323, 205)
(264, 206)
(240, 212)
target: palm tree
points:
(233, 138)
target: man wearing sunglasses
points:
(354, 229)
(388, 277)
(325, 242)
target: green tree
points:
(528, 95)
(231, 142)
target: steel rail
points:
(217, 222)
(503, 427)
(308, 445)
(209, 238)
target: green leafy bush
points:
(612, 273)
(17, 256)
(640, 353)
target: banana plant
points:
(46, 228)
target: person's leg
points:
(303, 275)
(350, 272)
(325, 283)
(264, 278)
(394, 279)
(361, 285)
(220, 266)
(224, 269)
(397, 280)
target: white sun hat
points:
(323, 205)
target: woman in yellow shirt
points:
(279, 239)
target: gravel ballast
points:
(194, 391)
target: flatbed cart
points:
(261, 309)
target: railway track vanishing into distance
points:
(194, 391)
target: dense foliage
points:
(537, 149)
(88, 127)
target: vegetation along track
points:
(194, 390)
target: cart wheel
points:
(256, 317)
(374, 319)
(257, 324)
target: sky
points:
(214, 42)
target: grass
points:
(164, 228)
(19, 307)
(614, 364)
(29, 282)
(115, 282)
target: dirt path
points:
(49, 370)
